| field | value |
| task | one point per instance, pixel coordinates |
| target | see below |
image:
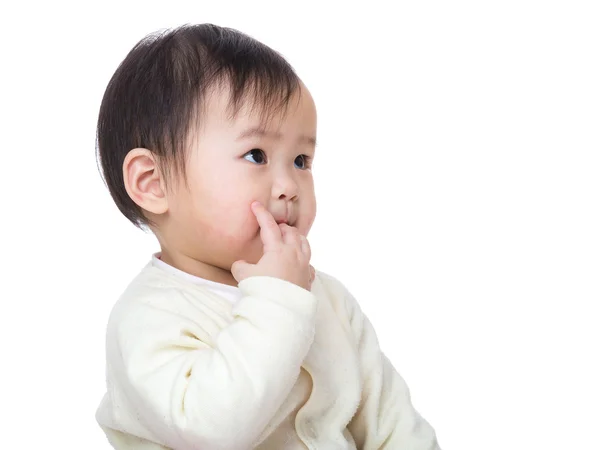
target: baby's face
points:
(236, 162)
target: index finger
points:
(269, 230)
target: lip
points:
(283, 219)
(283, 216)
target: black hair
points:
(154, 99)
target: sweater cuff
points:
(280, 291)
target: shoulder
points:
(337, 292)
(332, 284)
(156, 299)
(155, 288)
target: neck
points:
(198, 268)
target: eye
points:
(256, 155)
(302, 162)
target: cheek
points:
(230, 220)
(308, 217)
(236, 234)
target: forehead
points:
(259, 112)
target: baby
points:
(228, 338)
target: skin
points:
(224, 224)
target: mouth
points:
(284, 217)
(290, 223)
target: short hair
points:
(154, 99)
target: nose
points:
(285, 187)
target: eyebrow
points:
(260, 132)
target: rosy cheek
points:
(236, 226)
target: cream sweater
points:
(283, 368)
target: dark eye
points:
(256, 155)
(302, 162)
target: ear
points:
(143, 181)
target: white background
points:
(458, 179)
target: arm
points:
(386, 418)
(190, 393)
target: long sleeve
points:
(187, 392)
(386, 418)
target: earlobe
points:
(143, 181)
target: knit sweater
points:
(282, 369)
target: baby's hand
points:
(286, 253)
